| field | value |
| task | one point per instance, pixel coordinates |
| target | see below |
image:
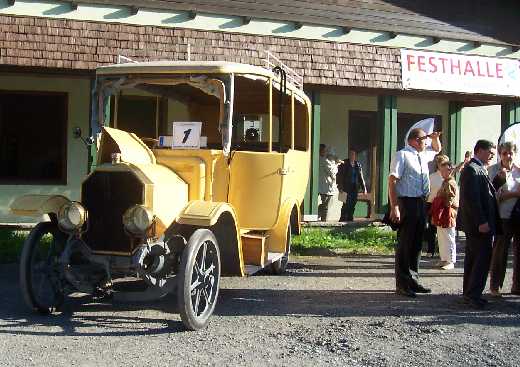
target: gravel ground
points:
(325, 311)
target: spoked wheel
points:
(40, 279)
(199, 279)
(279, 266)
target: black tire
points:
(40, 279)
(279, 266)
(199, 279)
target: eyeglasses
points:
(420, 138)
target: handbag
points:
(386, 220)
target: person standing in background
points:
(408, 186)
(479, 218)
(327, 184)
(506, 177)
(435, 184)
(444, 213)
(352, 181)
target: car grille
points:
(106, 196)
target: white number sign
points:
(186, 135)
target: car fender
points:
(37, 205)
(289, 213)
(221, 219)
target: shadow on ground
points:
(258, 296)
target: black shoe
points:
(420, 289)
(476, 304)
(483, 301)
(405, 292)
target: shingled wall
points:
(83, 45)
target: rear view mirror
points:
(77, 135)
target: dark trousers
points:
(497, 272)
(430, 232)
(476, 263)
(409, 242)
(348, 207)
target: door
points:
(255, 187)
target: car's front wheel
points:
(199, 279)
(40, 272)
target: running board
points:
(271, 258)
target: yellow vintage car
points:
(217, 190)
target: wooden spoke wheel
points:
(40, 273)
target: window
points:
(137, 114)
(33, 137)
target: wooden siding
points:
(82, 45)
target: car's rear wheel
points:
(199, 279)
(40, 273)
(279, 266)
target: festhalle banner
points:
(460, 73)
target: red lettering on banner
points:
(443, 60)
(409, 59)
(420, 63)
(469, 69)
(453, 67)
(499, 71)
(489, 74)
(433, 68)
(478, 69)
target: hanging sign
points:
(460, 73)
(186, 135)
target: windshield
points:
(150, 105)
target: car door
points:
(255, 187)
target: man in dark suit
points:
(479, 218)
(351, 182)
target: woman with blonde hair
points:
(444, 213)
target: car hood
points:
(131, 148)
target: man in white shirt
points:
(408, 186)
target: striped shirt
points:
(411, 169)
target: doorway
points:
(362, 137)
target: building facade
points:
(350, 54)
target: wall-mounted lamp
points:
(476, 44)
(11, 2)
(346, 30)
(191, 14)
(391, 35)
(245, 20)
(515, 49)
(435, 40)
(133, 10)
(297, 25)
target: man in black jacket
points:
(351, 182)
(479, 218)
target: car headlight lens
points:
(138, 219)
(71, 217)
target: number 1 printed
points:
(186, 135)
